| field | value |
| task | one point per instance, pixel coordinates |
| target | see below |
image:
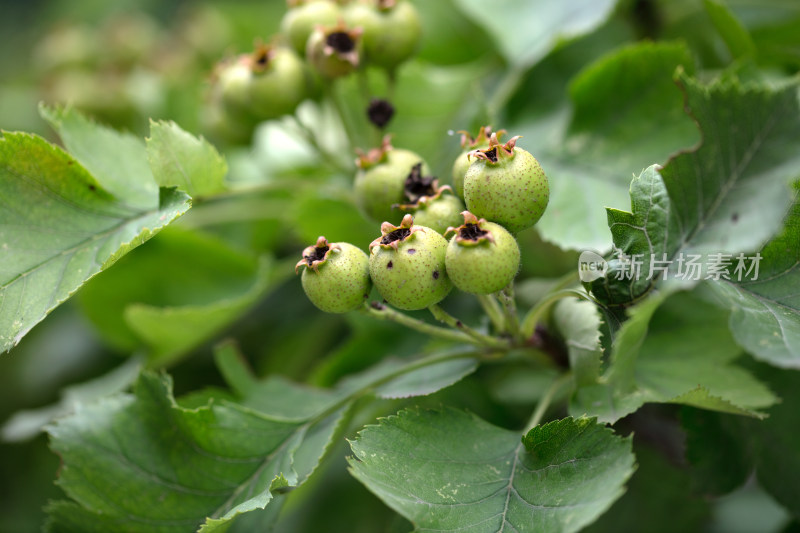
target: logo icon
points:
(591, 266)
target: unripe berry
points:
(468, 144)
(392, 30)
(507, 185)
(482, 257)
(406, 263)
(336, 278)
(300, 21)
(381, 178)
(334, 51)
(279, 82)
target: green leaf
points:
(142, 462)
(646, 234)
(449, 470)
(26, 424)
(675, 350)
(428, 380)
(179, 159)
(746, 161)
(118, 161)
(58, 228)
(170, 332)
(735, 35)
(527, 30)
(765, 309)
(627, 115)
(579, 324)
(179, 276)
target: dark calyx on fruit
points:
(317, 255)
(397, 235)
(340, 41)
(418, 186)
(471, 232)
(491, 155)
(380, 112)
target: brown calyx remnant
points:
(392, 235)
(316, 254)
(470, 233)
(374, 156)
(496, 151)
(421, 190)
(342, 42)
(261, 57)
(482, 139)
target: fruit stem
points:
(486, 340)
(535, 314)
(510, 312)
(383, 312)
(547, 399)
(493, 311)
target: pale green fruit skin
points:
(390, 37)
(298, 24)
(460, 166)
(512, 192)
(280, 88)
(234, 87)
(485, 267)
(440, 214)
(341, 283)
(380, 187)
(417, 279)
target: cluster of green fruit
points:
(320, 41)
(412, 265)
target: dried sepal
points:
(374, 156)
(496, 151)
(470, 233)
(316, 254)
(482, 139)
(392, 235)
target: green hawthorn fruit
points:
(406, 263)
(334, 51)
(482, 257)
(299, 22)
(380, 180)
(392, 30)
(278, 82)
(506, 184)
(336, 278)
(469, 144)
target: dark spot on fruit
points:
(318, 255)
(735, 217)
(397, 235)
(380, 112)
(435, 274)
(389, 265)
(92, 187)
(412, 251)
(417, 185)
(492, 155)
(471, 232)
(341, 42)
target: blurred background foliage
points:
(227, 262)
